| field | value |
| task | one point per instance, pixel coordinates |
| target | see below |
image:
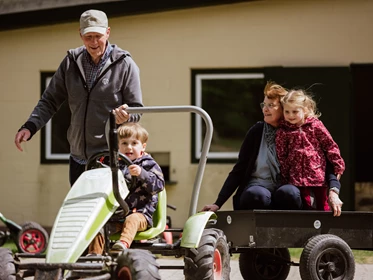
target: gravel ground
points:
(362, 271)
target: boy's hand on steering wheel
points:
(135, 170)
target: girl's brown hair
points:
(127, 130)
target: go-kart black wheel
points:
(33, 238)
(327, 257)
(265, 264)
(136, 264)
(7, 267)
(211, 260)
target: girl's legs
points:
(287, 197)
(255, 197)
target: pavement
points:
(362, 271)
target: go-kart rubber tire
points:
(7, 267)
(326, 256)
(137, 264)
(211, 260)
(256, 264)
(39, 238)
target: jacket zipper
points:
(89, 92)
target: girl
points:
(302, 144)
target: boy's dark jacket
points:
(143, 196)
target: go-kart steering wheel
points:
(97, 161)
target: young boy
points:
(142, 199)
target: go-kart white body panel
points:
(87, 207)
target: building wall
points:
(166, 46)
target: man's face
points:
(96, 43)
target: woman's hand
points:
(335, 203)
(211, 207)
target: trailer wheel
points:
(211, 260)
(33, 238)
(136, 264)
(325, 257)
(265, 264)
(7, 267)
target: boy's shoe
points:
(119, 246)
(93, 255)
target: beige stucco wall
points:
(167, 46)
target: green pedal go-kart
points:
(30, 237)
(89, 207)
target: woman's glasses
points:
(269, 106)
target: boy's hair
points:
(301, 99)
(126, 130)
(273, 90)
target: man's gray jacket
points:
(118, 83)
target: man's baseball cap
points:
(93, 21)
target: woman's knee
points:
(255, 197)
(288, 197)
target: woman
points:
(256, 174)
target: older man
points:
(94, 79)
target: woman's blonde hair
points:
(273, 90)
(299, 98)
(131, 129)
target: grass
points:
(360, 256)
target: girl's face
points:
(272, 111)
(293, 114)
(132, 147)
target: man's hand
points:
(335, 203)
(21, 136)
(121, 114)
(211, 207)
(135, 170)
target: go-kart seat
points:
(159, 219)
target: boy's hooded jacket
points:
(143, 196)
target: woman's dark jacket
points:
(240, 175)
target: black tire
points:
(327, 256)
(211, 260)
(265, 264)
(7, 267)
(33, 238)
(136, 264)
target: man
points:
(94, 79)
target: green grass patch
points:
(10, 245)
(360, 256)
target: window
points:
(54, 145)
(231, 98)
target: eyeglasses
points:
(269, 106)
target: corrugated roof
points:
(18, 6)
(28, 13)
